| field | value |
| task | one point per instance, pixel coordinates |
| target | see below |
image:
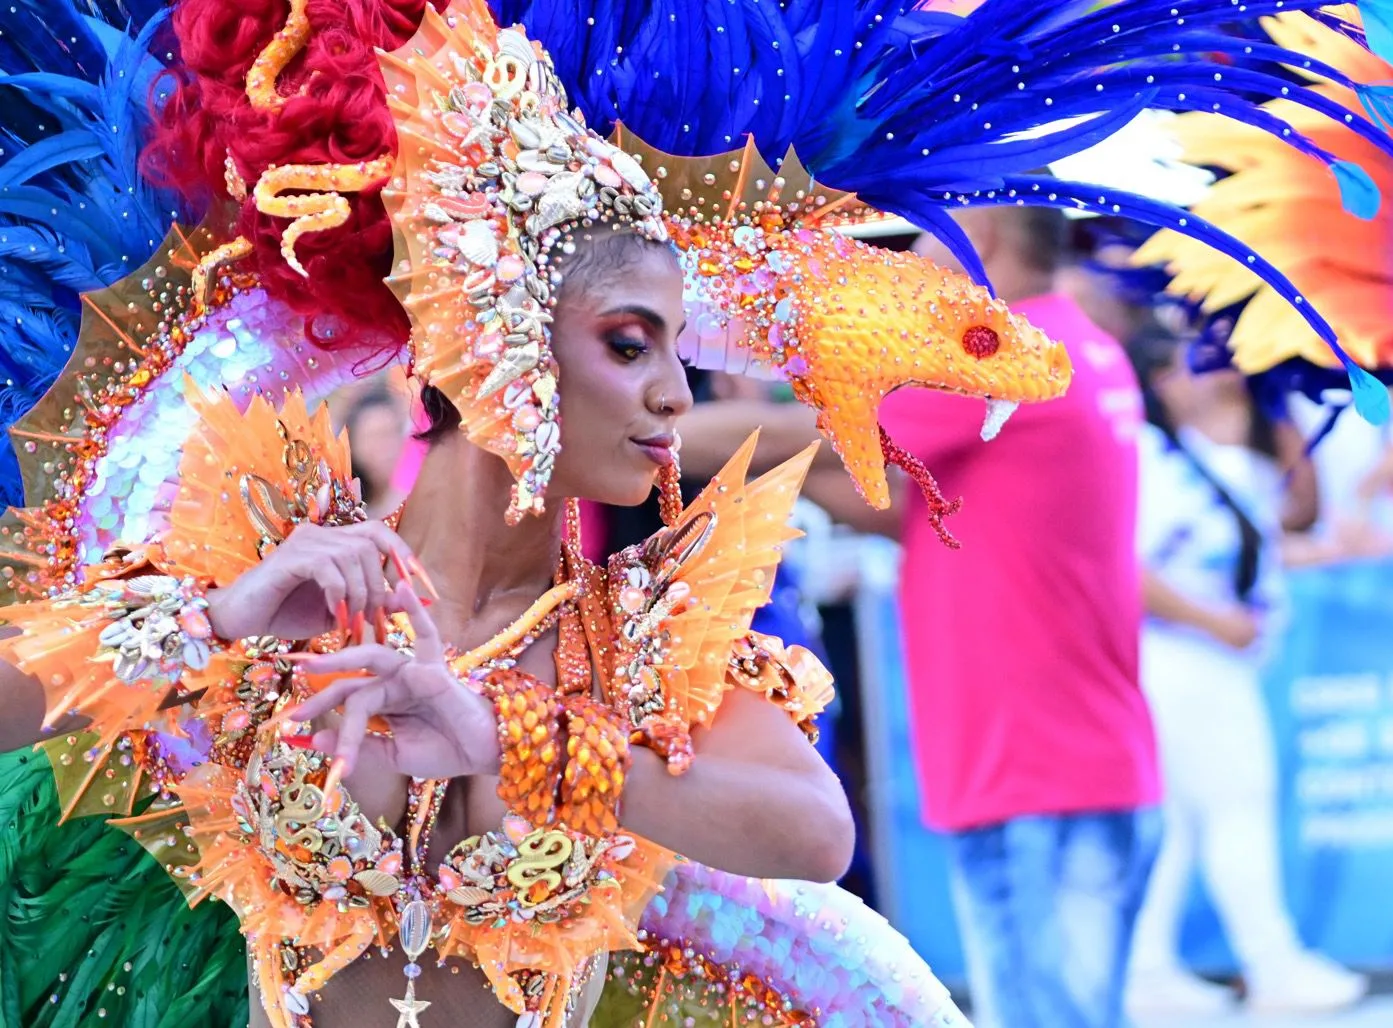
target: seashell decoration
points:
(515, 362)
(513, 43)
(415, 928)
(478, 244)
(378, 883)
(469, 895)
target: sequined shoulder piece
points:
(791, 676)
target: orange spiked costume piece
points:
(121, 652)
(683, 601)
(248, 478)
(1277, 200)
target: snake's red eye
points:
(980, 341)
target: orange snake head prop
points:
(775, 291)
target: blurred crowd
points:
(1084, 674)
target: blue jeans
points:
(1046, 906)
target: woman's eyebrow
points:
(654, 320)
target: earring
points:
(670, 501)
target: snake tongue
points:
(997, 413)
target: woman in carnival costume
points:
(238, 664)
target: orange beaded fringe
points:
(597, 760)
(529, 730)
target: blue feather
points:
(1358, 193)
(1378, 26)
(75, 213)
(951, 234)
(50, 153)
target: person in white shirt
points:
(1220, 482)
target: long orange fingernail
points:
(276, 721)
(380, 624)
(359, 623)
(341, 615)
(335, 775)
(402, 569)
(425, 578)
(301, 742)
(293, 657)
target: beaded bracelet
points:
(597, 760)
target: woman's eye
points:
(627, 347)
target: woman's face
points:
(376, 435)
(1187, 394)
(622, 386)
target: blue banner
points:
(1330, 694)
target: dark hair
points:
(595, 257)
(442, 416)
(1045, 237)
(599, 255)
(1153, 348)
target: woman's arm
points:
(1237, 627)
(757, 801)
(22, 699)
(712, 431)
(1301, 499)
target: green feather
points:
(89, 923)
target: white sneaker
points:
(1174, 992)
(1306, 983)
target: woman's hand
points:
(315, 579)
(440, 727)
(1237, 628)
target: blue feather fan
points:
(77, 85)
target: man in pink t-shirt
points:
(1033, 742)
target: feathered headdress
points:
(1273, 198)
(889, 110)
(920, 112)
(492, 172)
